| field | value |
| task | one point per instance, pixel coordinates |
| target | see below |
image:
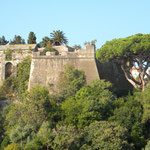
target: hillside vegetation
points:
(78, 116)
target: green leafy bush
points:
(8, 54)
(103, 135)
(92, 102)
(50, 49)
(19, 84)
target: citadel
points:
(46, 69)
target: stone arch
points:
(8, 69)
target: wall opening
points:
(8, 70)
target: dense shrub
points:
(50, 49)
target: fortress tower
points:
(46, 69)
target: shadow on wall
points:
(112, 72)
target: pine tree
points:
(3, 41)
(17, 40)
(32, 38)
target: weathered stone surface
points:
(46, 70)
(19, 46)
(112, 72)
(19, 52)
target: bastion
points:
(47, 69)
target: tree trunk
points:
(129, 78)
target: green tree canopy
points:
(18, 85)
(58, 38)
(71, 80)
(17, 40)
(65, 138)
(32, 38)
(129, 115)
(3, 41)
(44, 41)
(24, 119)
(133, 51)
(103, 135)
(92, 102)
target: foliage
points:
(19, 51)
(17, 40)
(77, 47)
(23, 120)
(58, 38)
(75, 117)
(65, 138)
(44, 41)
(21, 134)
(29, 49)
(70, 81)
(45, 133)
(137, 135)
(129, 115)
(32, 38)
(103, 135)
(3, 41)
(19, 84)
(49, 49)
(23, 72)
(37, 101)
(147, 146)
(8, 54)
(13, 146)
(92, 102)
(1, 127)
(4, 143)
(91, 43)
(129, 52)
(8, 87)
(144, 98)
(36, 144)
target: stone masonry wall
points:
(46, 70)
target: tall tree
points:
(32, 38)
(133, 51)
(92, 102)
(71, 81)
(17, 40)
(44, 41)
(58, 38)
(3, 41)
(103, 135)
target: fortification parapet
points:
(46, 69)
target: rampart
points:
(46, 70)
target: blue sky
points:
(80, 20)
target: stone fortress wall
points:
(19, 52)
(46, 69)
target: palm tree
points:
(58, 38)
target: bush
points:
(8, 54)
(50, 49)
(13, 146)
(103, 135)
(19, 84)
